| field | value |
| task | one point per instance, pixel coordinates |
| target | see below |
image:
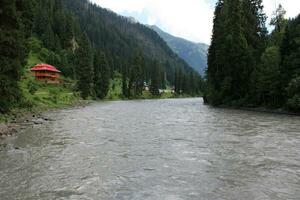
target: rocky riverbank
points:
(17, 124)
(15, 121)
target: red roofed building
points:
(46, 73)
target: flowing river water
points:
(154, 149)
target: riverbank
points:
(20, 118)
(262, 110)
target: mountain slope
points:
(120, 37)
(195, 54)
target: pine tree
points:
(290, 64)
(254, 28)
(102, 75)
(236, 65)
(193, 84)
(215, 56)
(279, 22)
(136, 80)
(164, 79)
(70, 32)
(84, 67)
(27, 9)
(125, 91)
(278, 19)
(12, 54)
(186, 84)
(155, 79)
(178, 81)
(267, 79)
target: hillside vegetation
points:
(90, 45)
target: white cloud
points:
(190, 19)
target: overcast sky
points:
(190, 19)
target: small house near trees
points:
(46, 73)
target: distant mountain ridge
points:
(121, 37)
(195, 54)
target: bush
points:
(32, 87)
(9, 94)
(294, 103)
(44, 54)
(34, 44)
(24, 103)
(294, 94)
(53, 92)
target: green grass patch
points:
(115, 91)
(43, 95)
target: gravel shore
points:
(15, 125)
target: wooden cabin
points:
(46, 73)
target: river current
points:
(153, 149)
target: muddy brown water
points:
(154, 149)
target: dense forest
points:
(88, 44)
(249, 67)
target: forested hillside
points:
(90, 45)
(120, 37)
(246, 65)
(195, 54)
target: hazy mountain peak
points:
(195, 54)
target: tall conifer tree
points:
(136, 80)
(213, 72)
(155, 78)
(84, 67)
(125, 92)
(12, 54)
(102, 75)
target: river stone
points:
(38, 121)
(4, 130)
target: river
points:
(154, 149)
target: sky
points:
(189, 19)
